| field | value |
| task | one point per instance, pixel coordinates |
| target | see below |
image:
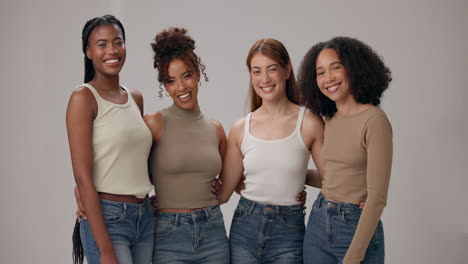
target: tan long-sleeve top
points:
(357, 152)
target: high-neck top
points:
(186, 160)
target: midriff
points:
(120, 198)
(178, 210)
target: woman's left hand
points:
(302, 197)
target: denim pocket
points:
(216, 217)
(350, 217)
(293, 222)
(111, 215)
(163, 228)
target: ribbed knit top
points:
(274, 170)
(186, 160)
(121, 145)
(357, 152)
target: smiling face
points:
(182, 84)
(332, 77)
(268, 77)
(106, 48)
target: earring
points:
(199, 83)
(167, 94)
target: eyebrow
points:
(184, 73)
(105, 40)
(333, 63)
(269, 66)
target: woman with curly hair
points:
(187, 154)
(109, 146)
(271, 148)
(343, 79)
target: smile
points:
(185, 97)
(112, 61)
(267, 89)
(333, 88)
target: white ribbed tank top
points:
(121, 145)
(274, 170)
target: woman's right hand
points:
(80, 213)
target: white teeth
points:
(332, 89)
(267, 89)
(184, 96)
(112, 61)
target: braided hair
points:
(89, 72)
(87, 29)
(174, 43)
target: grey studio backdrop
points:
(423, 42)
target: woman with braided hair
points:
(187, 154)
(109, 146)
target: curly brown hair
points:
(368, 75)
(174, 43)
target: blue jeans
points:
(331, 229)
(131, 230)
(262, 233)
(195, 237)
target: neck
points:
(106, 83)
(186, 114)
(276, 108)
(349, 106)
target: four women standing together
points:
(341, 79)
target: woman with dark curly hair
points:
(343, 79)
(187, 154)
(271, 148)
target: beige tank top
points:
(121, 145)
(186, 160)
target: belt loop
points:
(319, 198)
(277, 209)
(208, 215)
(251, 208)
(177, 219)
(124, 209)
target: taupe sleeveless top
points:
(186, 160)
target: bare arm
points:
(232, 166)
(312, 132)
(81, 111)
(138, 97)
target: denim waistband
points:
(270, 209)
(194, 216)
(126, 208)
(322, 201)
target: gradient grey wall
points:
(423, 42)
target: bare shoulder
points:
(154, 121)
(312, 124)
(137, 97)
(136, 94)
(82, 98)
(236, 132)
(217, 124)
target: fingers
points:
(361, 205)
(216, 186)
(154, 202)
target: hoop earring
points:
(199, 83)
(167, 94)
